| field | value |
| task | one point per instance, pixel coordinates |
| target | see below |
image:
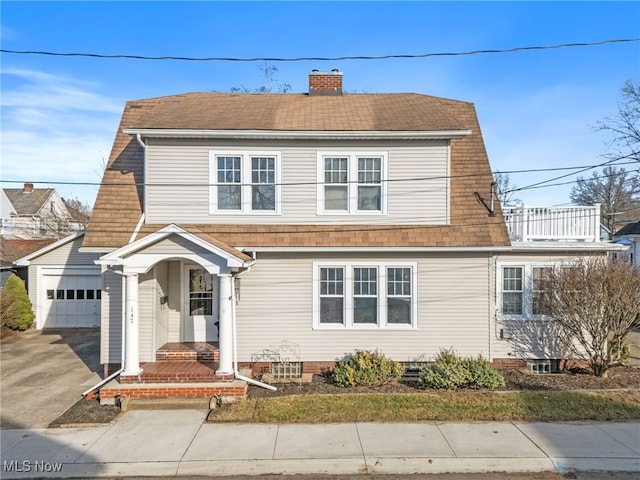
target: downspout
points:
(134, 234)
(234, 336)
(120, 370)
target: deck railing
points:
(527, 224)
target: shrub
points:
(480, 373)
(15, 306)
(450, 371)
(366, 368)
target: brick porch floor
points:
(180, 370)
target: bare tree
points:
(616, 189)
(269, 82)
(624, 126)
(80, 211)
(595, 305)
(506, 190)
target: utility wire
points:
(581, 168)
(300, 59)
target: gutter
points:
(296, 134)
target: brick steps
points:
(177, 371)
(195, 351)
(229, 390)
(181, 370)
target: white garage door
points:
(71, 300)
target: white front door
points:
(201, 306)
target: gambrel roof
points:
(118, 206)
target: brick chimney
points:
(28, 188)
(323, 83)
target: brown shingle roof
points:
(13, 249)
(118, 205)
(294, 112)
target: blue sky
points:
(537, 109)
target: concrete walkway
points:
(178, 442)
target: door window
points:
(200, 292)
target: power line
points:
(300, 59)
(583, 169)
(580, 168)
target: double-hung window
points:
(522, 290)
(512, 290)
(364, 295)
(245, 182)
(351, 183)
(539, 279)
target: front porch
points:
(181, 369)
(176, 328)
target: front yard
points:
(563, 396)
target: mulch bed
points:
(85, 412)
(91, 412)
(619, 378)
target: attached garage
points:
(64, 285)
(70, 298)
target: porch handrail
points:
(528, 223)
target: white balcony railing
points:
(527, 224)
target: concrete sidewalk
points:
(178, 442)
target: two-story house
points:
(36, 213)
(228, 224)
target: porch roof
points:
(232, 256)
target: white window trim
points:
(245, 184)
(348, 295)
(527, 289)
(352, 185)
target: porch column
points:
(131, 326)
(225, 337)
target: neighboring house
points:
(281, 231)
(64, 284)
(30, 212)
(11, 249)
(629, 235)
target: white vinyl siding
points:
(146, 314)
(112, 312)
(178, 177)
(275, 303)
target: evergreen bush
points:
(15, 307)
(366, 368)
(450, 371)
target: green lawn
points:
(500, 406)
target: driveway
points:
(43, 373)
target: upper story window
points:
(364, 295)
(245, 182)
(352, 183)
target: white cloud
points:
(55, 129)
